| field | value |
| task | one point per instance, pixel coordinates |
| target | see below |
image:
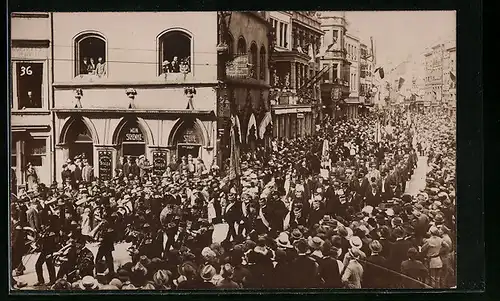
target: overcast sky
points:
(397, 34)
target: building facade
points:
(30, 99)
(157, 89)
(367, 87)
(295, 65)
(335, 67)
(449, 77)
(352, 44)
(434, 75)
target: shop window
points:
(175, 52)
(90, 55)
(29, 84)
(285, 35)
(253, 61)
(36, 150)
(262, 64)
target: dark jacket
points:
(329, 273)
(414, 269)
(375, 276)
(304, 272)
(399, 250)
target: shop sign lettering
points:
(134, 134)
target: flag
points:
(251, 123)
(326, 149)
(234, 161)
(238, 129)
(380, 72)
(452, 76)
(401, 82)
(264, 123)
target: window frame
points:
(159, 50)
(76, 53)
(262, 63)
(254, 60)
(44, 94)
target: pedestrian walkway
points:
(418, 180)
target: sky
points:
(397, 34)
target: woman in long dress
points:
(31, 177)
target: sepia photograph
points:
(216, 150)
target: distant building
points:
(449, 76)
(352, 45)
(335, 66)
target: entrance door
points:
(184, 149)
(80, 148)
(132, 141)
(133, 150)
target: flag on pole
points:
(380, 72)
(268, 119)
(452, 76)
(234, 161)
(251, 123)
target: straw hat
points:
(89, 283)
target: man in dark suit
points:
(399, 249)
(304, 271)
(33, 215)
(48, 245)
(385, 186)
(107, 245)
(373, 197)
(362, 185)
(232, 214)
(126, 166)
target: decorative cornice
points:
(111, 111)
(25, 43)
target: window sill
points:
(30, 112)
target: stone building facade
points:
(31, 97)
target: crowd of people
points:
(323, 211)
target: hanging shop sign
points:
(105, 166)
(159, 163)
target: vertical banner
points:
(105, 166)
(234, 163)
(159, 163)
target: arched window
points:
(242, 46)
(230, 46)
(90, 55)
(253, 61)
(175, 50)
(262, 64)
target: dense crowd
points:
(324, 211)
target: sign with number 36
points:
(26, 70)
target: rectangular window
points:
(281, 34)
(335, 35)
(13, 154)
(285, 36)
(29, 82)
(36, 150)
(335, 71)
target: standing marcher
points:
(48, 245)
(432, 248)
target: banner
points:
(268, 119)
(234, 161)
(238, 67)
(251, 123)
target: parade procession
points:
(284, 179)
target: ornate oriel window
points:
(175, 52)
(90, 55)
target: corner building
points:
(141, 83)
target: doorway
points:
(80, 142)
(186, 149)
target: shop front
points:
(293, 122)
